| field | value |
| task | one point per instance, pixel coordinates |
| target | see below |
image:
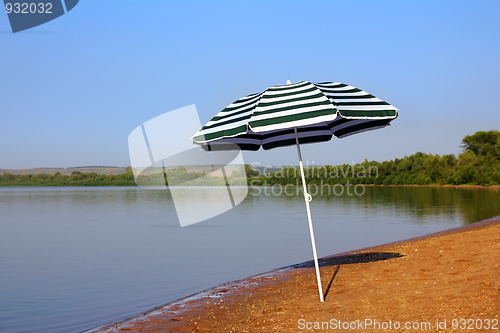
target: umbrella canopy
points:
(291, 114)
(317, 110)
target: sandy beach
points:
(445, 282)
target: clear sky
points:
(72, 90)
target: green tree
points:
(483, 143)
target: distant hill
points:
(101, 170)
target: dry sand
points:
(452, 276)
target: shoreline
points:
(187, 313)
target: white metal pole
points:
(308, 198)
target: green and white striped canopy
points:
(317, 110)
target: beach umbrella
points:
(291, 114)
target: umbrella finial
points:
(288, 82)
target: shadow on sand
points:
(358, 258)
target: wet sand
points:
(445, 282)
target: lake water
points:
(75, 258)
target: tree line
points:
(478, 164)
(76, 178)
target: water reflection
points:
(68, 254)
(473, 204)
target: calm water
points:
(75, 258)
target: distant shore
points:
(101, 170)
(491, 187)
(448, 280)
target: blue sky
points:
(72, 90)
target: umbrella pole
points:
(308, 198)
